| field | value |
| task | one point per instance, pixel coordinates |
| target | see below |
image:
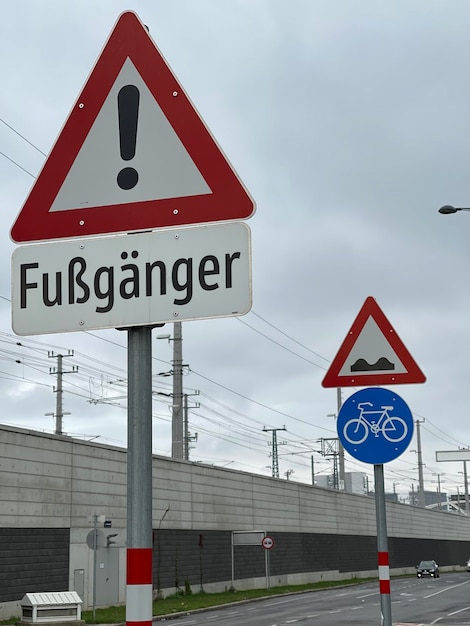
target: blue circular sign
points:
(375, 425)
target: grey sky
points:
(349, 123)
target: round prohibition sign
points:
(267, 543)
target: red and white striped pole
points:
(384, 573)
(139, 586)
(139, 477)
(382, 546)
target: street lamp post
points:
(446, 210)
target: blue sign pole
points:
(382, 546)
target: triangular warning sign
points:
(372, 354)
(133, 155)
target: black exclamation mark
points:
(128, 113)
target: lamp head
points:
(447, 209)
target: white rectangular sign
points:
(132, 280)
(453, 455)
(247, 537)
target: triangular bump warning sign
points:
(372, 354)
(134, 154)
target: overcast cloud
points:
(349, 123)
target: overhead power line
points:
(22, 137)
(102, 366)
(289, 337)
(17, 164)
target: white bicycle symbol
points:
(357, 429)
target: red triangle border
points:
(229, 199)
(413, 374)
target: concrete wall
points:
(50, 481)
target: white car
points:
(468, 565)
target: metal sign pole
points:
(382, 546)
(95, 560)
(268, 568)
(139, 476)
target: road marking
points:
(459, 611)
(367, 595)
(280, 602)
(446, 589)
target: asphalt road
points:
(443, 601)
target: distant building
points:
(355, 482)
(458, 503)
(430, 497)
(326, 481)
